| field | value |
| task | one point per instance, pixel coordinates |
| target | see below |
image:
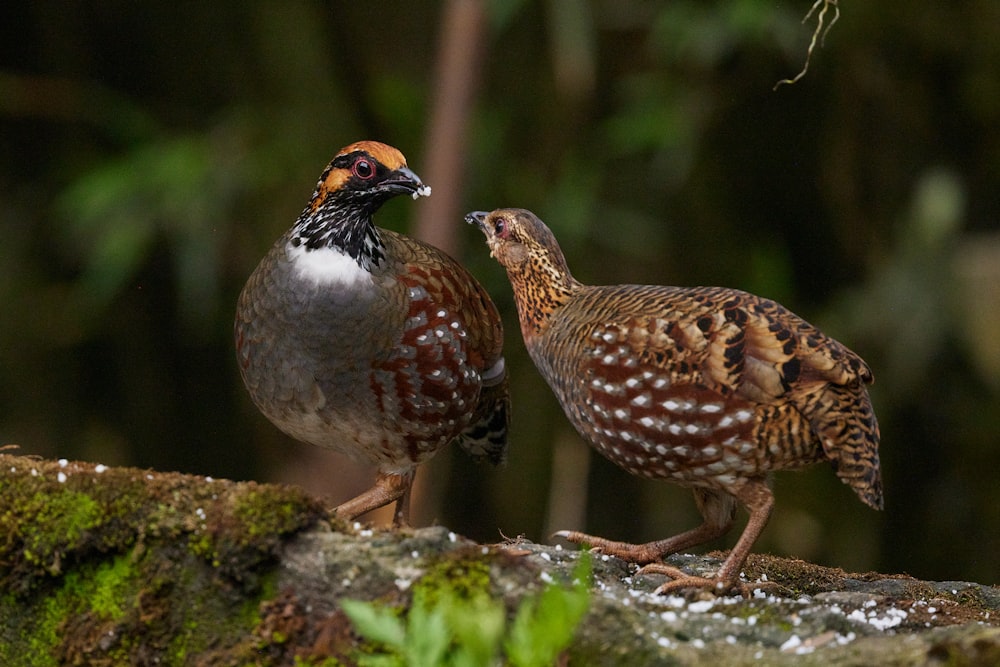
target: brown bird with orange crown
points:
(368, 342)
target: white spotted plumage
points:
(709, 387)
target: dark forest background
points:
(152, 152)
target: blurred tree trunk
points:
(460, 51)
(458, 66)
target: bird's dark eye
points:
(500, 228)
(363, 169)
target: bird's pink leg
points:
(717, 508)
(388, 487)
(757, 497)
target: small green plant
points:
(470, 629)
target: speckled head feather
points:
(515, 235)
(535, 264)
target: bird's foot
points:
(681, 581)
(633, 553)
(666, 570)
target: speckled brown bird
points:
(708, 387)
(368, 342)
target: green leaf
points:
(477, 625)
(375, 623)
(544, 627)
(427, 635)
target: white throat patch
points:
(326, 266)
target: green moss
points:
(89, 597)
(51, 517)
(124, 566)
(60, 519)
(43, 636)
(265, 513)
(200, 544)
(462, 573)
(183, 643)
(241, 531)
(111, 582)
(210, 614)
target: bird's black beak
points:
(477, 218)
(405, 181)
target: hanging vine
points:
(818, 34)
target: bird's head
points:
(516, 237)
(359, 179)
(527, 249)
(368, 173)
(535, 265)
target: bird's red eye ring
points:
(500, 228)
(363, 169)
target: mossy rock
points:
(114, 566)
(124, 566)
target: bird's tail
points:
(844, 421)
(486, 437)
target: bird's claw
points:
(664, 569)
(578, 538)
(681, 581)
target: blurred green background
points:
(152, 152)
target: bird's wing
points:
(727, 340)
(465, 302)
(457, 291)
(797, 351)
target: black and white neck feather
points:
(335, 238)
(343, 223)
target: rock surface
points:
(123, 566)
